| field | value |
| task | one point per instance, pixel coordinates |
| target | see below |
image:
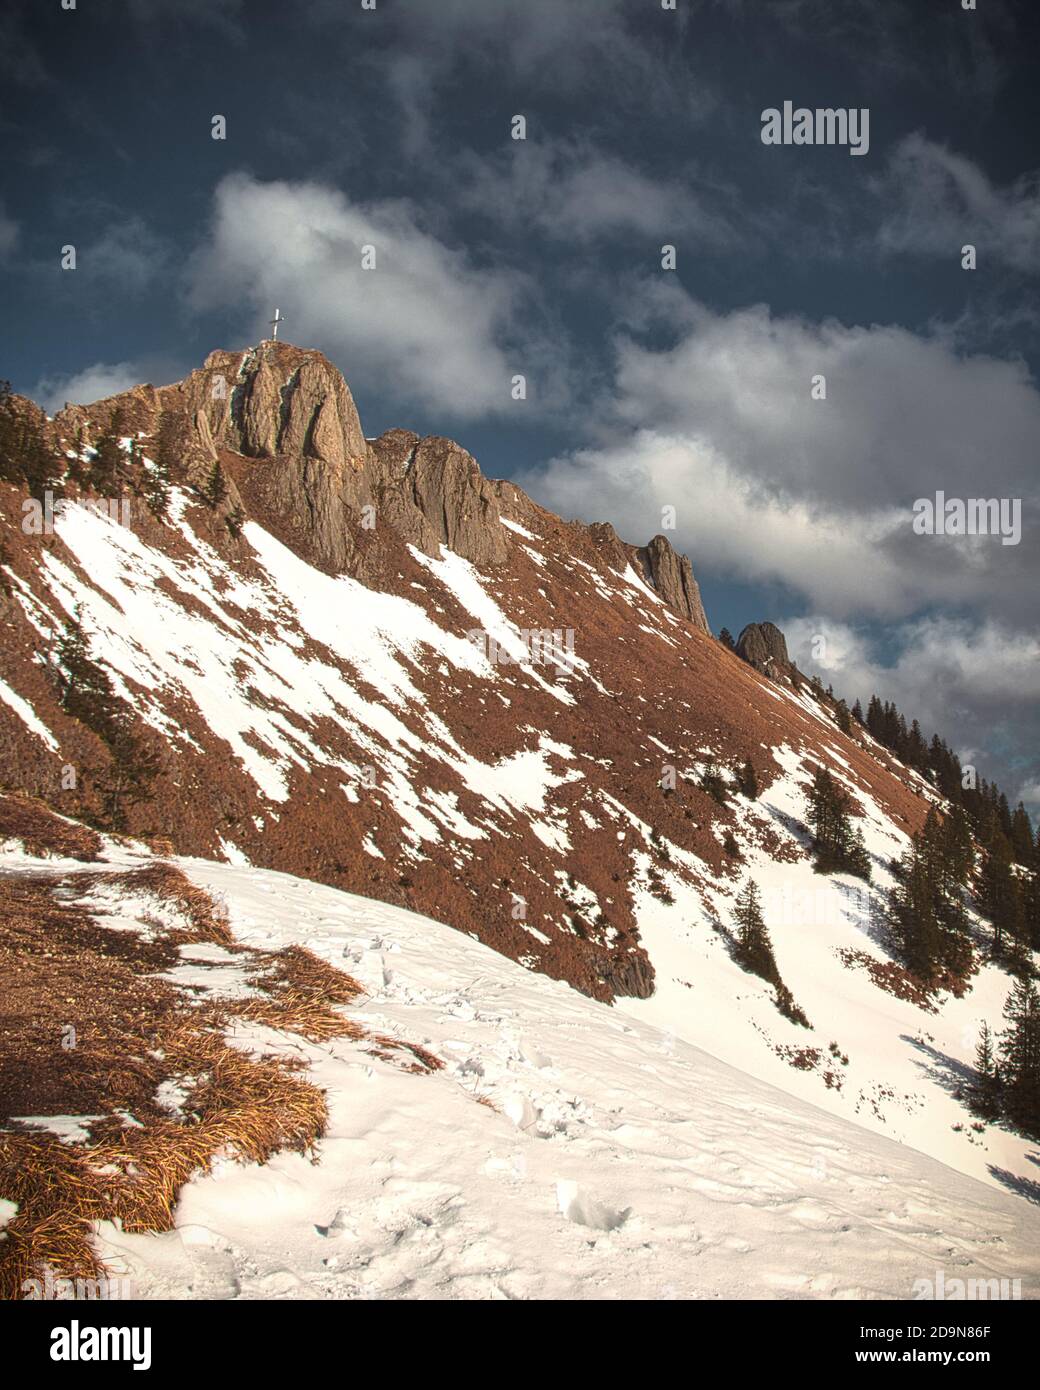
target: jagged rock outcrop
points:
(763, 646)
(287, 415)
(629, 974)
(610, 545)
(672, 577)
(435, 494)
(275, 399)
(280, 402)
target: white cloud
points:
(944, 201)
(127, 256)
(83, 388)
(725, 520)
(770, 484)
(975, 683)
(428, 321)
(574, 192)
(945, 662)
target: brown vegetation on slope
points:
(89, 1027)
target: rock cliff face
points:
(764, 646)
(672, 577)
(288, 417)
(273, 400)
(437, 495)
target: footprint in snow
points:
(338, 1226)
(533, 1057)
(586, 1211)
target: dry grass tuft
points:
(30, 821)
(424, 1059)
(206, 920)
(300, 989)
(63, 970)
(243, 1106)
(296, 1013)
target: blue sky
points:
(647, 388)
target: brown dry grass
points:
(63, 970)
(244, 1106)
(894, 978)
(206, 920)
(31, 821)
(299, 990)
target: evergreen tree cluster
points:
(1007, 1074)
(714, 783)
(86, 693)
(985, 803)
(837, 843)
(111, 467)
(1011, 901)
(747, 780)
(925, 913)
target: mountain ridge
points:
(533, 746)
(280, 402)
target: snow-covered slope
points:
(567, 1150)
(896, 1066)
(317, 704)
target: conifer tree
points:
(713, 782)
(925, 908)
(86, 693)
(25, 456)
(837, 843)
(157, 492)
(1020, 1057)
(986, 1090)
(912, 915)
(1022, 846)
(1000, 897)
(726, 638)
(958, 846)
(1030, 890)
(171, 440)
(747, 780)
(109, 462)
(754, 948)
(215, 489)
(84, 688)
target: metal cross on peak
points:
(276, 321)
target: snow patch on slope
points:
(608, 1158)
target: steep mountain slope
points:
(369, 665)
(561, 1150)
